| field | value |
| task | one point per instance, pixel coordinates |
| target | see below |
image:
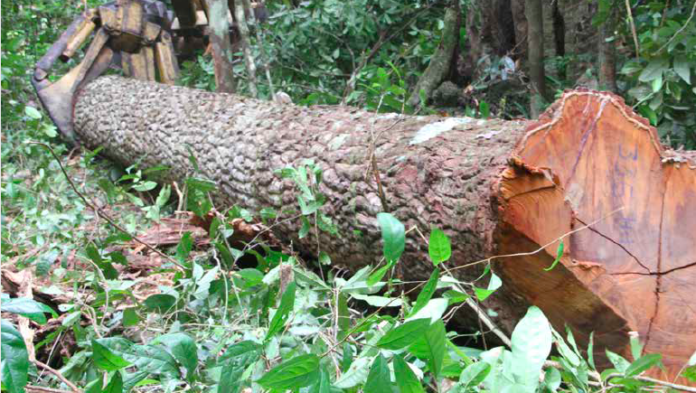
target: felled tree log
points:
(590, 170)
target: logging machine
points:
(141, 37)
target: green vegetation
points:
(197, 320)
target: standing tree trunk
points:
(589, 172)
(240, 16)
(221, 45)
(443, 60)
(535, 26)
(607, 53)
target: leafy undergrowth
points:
(174, 309)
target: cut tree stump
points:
(590, 172)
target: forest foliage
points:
(202, 321)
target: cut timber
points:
(495, 187)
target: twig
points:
(60, 376)
(693, 11)
(34, 388)
(100, 212)
(246, 48)
(667, 384)
(633, 28)
(524, 254)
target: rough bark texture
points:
(607, 52)
(221, 45)
(442, 61)
(493, 186)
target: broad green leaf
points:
(474, 374)
(552, 379)
(433, 310)
(32, 112)
(393, 236)
(432, 347)
(184, 248)
(493, 285)
(183, 348)
(356, 374)
(405, 378)
(559, 254)
(105, 359)
(130, 317)
(160, 302)
(379, 301)
(379, 273)
(378, 380)
(439, 247)
(287, 302)
(115, 384)
(404, 335)
(234, 361)
(683, 68)
(15, 358)
(293, 374)
(28, 308)
(643, 363)
(619, 362)
(427, 292)
(654, 70)
(531, 346)
(323, 384)
(636, 346)
(454, 297)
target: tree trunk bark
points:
(221, 45)
(607, 53)
(443, 60)
(535, 53)
(590, 172)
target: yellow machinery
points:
(135, 35)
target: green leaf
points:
(323, 385)
(531, 346)
(183, 348)
(405, 378)
(28, 308)
(552, 379)
(393, 235)
(115, 384)
(379, 301)
(378, 380)
(654, 70)
(683, 69)
(432, 346)
(493, 285)
(474, 374)
(235, 360)
(439, 247)
(618, 361)
(643, 363)
(356, 374)
(379, 273)
(15, 358)
(105, 359)
(160, 302)
(32, 112)
(427, 292)
(636, 346)
(293, 374)
(184, 248)
(130, 317)
(559, 254)
(287, 302)
(403, 335)
(433, 310)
